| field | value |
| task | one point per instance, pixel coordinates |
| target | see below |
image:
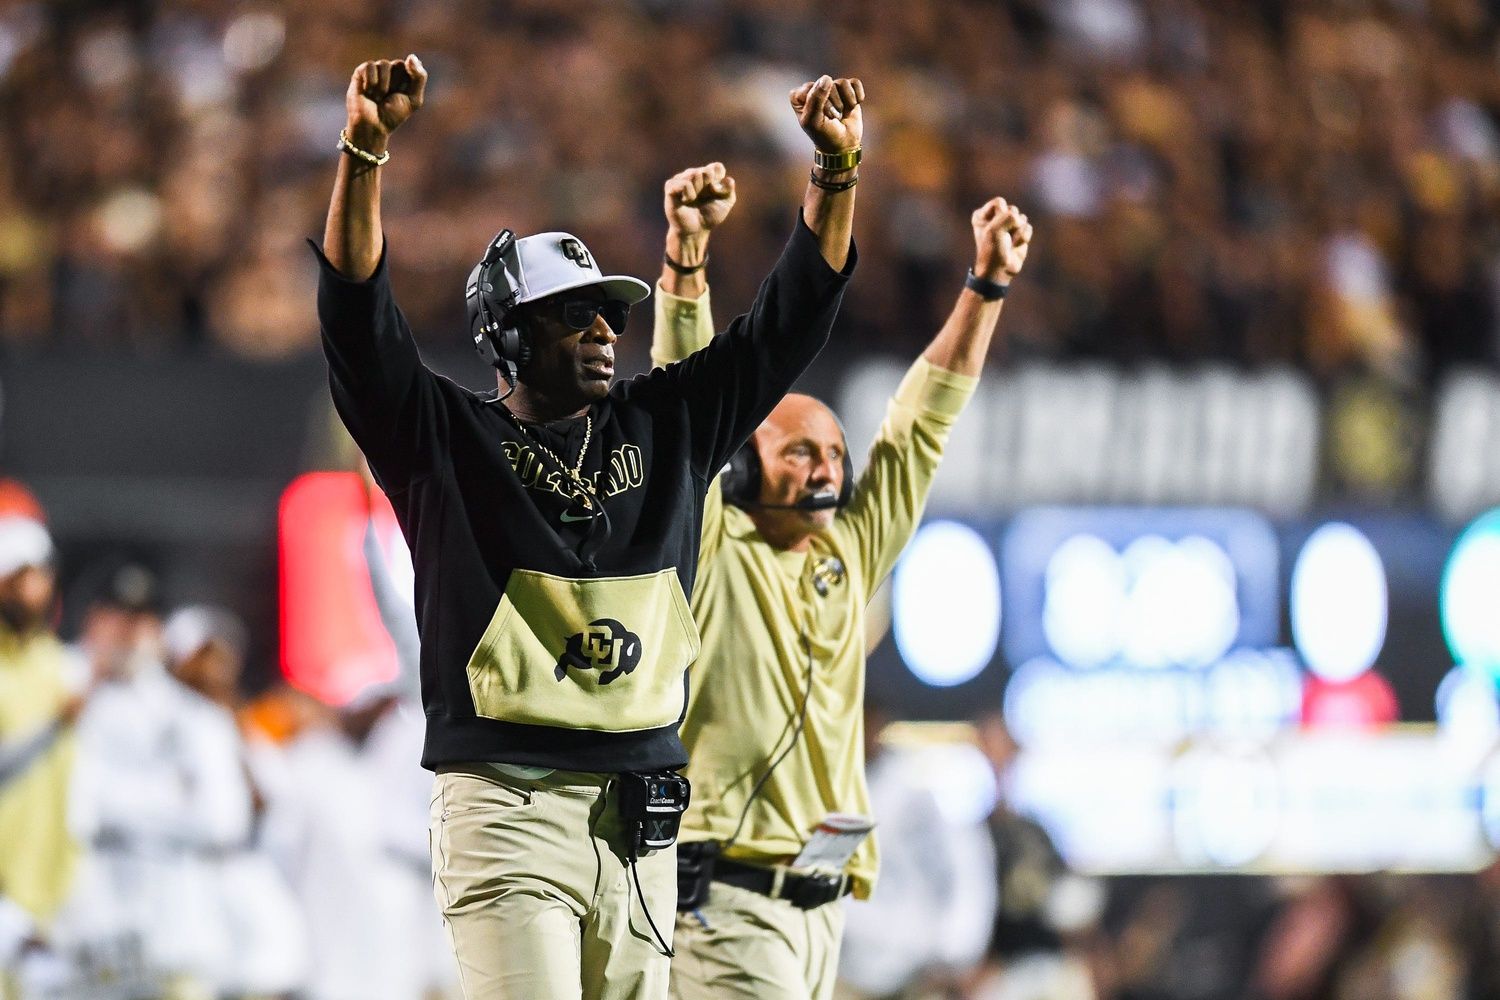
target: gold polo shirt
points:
(37, 854)
(773, 622)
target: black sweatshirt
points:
(548, 639)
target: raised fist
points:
(698, 199)
(382, 94)
(829, 112)
(1002, 237)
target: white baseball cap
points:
(548, 263)
(197, 625)
(23, 542)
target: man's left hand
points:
(1002, 238)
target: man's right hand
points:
(1002, 239)
(382, 94)
(695, 201)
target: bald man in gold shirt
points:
(791, 552)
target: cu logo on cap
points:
(577, 253)
(605, 645)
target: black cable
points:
(635, 873)
(796, 731)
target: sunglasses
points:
(578, 314)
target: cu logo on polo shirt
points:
(605, 645)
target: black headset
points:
(740, 481)
(497, 339)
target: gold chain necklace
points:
(585, 490)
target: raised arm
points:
(892, 491)
(729, 386)
(382, 392)
(1002, 237)
(382, 94)
(829, 112)
(695, 201)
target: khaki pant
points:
(535, 890)
(750, 947)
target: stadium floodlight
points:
(945, 604)
(1339, 602)
(1467, 599)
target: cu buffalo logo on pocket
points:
(605, 645)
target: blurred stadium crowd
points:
(1269, 181)
(1314, 183)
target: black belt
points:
(804, 891)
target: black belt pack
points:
(695, 869)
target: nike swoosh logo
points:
(568, 517)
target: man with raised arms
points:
(554, 532)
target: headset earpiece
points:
(475, 295)
(740, 481)
(846, 488)
(521, 348)
(491, 321)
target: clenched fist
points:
(382, 94)
(1002, 237)
(698, 199)
(829, 112)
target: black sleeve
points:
(730, 385)
(383, 393)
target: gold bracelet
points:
(845, 159)
(345, 146)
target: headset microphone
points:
(818, 501)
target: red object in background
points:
(1367, 701)
(333, 643)
(16, 499)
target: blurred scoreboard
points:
(1305, 801)
(1208, 661)
(1158, 623)
(1203, 690)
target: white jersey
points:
(158, 797)
(326, 829)
(391, 756)
(934, 906)
(171, 886)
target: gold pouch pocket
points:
(605, 655)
